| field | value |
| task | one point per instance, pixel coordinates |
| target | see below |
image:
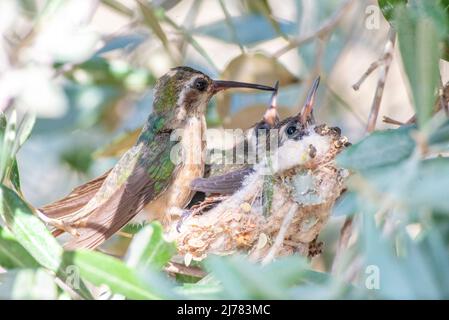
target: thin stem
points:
(326, 28)
(346, 230)
(375, 107)
(231, 26)
(178, 268)
(192, 41)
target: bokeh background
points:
(81, 73)
(88, 71)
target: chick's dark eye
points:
(200, 84)
(291, 130)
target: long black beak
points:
(220, 85)
(306, 111)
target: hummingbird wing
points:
(226, 183)
(78, 198)
(128, 190)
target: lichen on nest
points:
(304, 183)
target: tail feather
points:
(115, 213)
(77, 199)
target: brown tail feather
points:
(110, 217)
(78, 198)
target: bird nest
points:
(265, 225)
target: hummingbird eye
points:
(200, 84)
(291, 130)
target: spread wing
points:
(227, 183)
(149, 177)
(77, 199)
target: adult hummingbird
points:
(146, 174)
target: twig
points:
(392, 121)
(231, 25)
(178, 268)
(325, 28)
(281, 235)
(442, 103)
(346, 230)
(375, 107)
(372, 67)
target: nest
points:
(264, 227)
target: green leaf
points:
(149, 249)
(14, 175)
(429, 187)
(200, 291)
(7, 140)
(151, 20)
(419, 46)
(25, 127)
(263, 7)
(29, 231)
(101, 269)
(245, 26)
(381, 148)
(416, 185)
(35, 284)
(440, 135)
(29, 7)
(191, 40)
(132, 228)
(13, 254)
(388, 6)
(242, 279)
(78, 158)
(346, 205)
(32, 234)
(410, 275)
(116, 5)
(12, 137)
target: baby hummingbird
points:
(279, 215)
(146, 174)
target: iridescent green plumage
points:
(145, 174)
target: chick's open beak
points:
(271, 115)
(219, 85)
(306, 111)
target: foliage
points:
(397, 194)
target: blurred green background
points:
(80, 73)
(88, 67)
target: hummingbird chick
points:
(146, 176)
(281, 206)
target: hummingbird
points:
(304, 182)
(146, 175)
